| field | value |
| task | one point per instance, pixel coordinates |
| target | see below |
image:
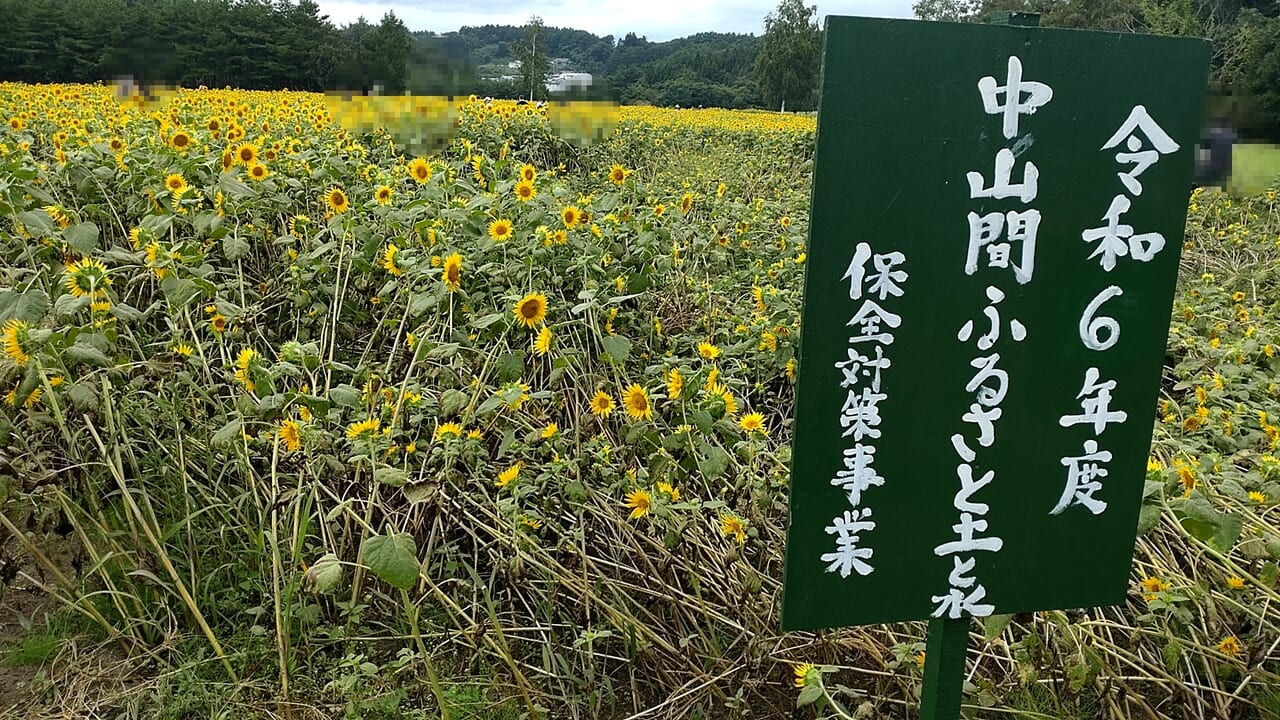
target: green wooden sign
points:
(997, 219)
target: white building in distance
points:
(565, 81)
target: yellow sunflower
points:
(452, 276)
(636, 402)
(732, 525)
(16, 336)
(542, 345)
(500, 230)
(359, 429)
(675, 383)
(420, 170)
(176, 184)
(531, 309)
(86, 277)
(601, 404)
(246, 154)
(506, 476)
(525, 191)
(449, 429)
(389, 260)
(383, 196)
(618, 174)
(639, 501)
(337, 200)
(570, 216)
(180, 141)
(244, 368)
(258, 171)
(528, 173)
(291, 434)
(753, 423)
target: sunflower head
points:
(636, 402)
(383, 196)
(246, 154)
(17, 341)
(452, 276)
(87, 278)
(500, 230)
(528, 173)
(420, 170)
(175, 184)
(525, 191)
(640, 501)
(337, 200)
(618, 174)
(570, 216)
(601, 404)
(531, 309)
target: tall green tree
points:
(788, 65)
(531, 51)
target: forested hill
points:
(704, 69)
(272, 44)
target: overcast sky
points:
(656, 19)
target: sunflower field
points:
(421, 408)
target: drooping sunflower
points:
(245, 362)
(358, 429)
(389, 260)
(531, 309)
(383, 196)
(675, 383)
(500, 230)
(686, 203)
(247, 154)
(542, 345)
(525, 191)
(420, 170)
(732, 525)
(452, 276)
(528, 173)
(506, 476)
(570, 216)
(16, 340)
(639, 501)
(291, 434)
(601, 404)
(636, 402)
(337, 200)
(86, 277)
(176, 184)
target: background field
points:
(302, 426)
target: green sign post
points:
(997, 219)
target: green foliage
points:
(531, 51)
(790, 57)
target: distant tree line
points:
(272, 44)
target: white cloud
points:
(656, 19)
